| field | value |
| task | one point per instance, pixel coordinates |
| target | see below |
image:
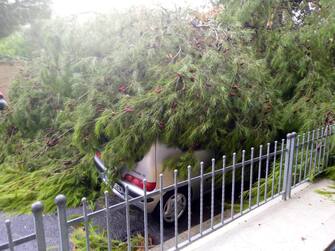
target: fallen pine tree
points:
(151, 75)
(187, 79)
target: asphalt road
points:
(23, 224)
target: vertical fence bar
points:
(329, 143)
(286, 166)
(223, 188)
(302, 156)
(127, 219)
(233, 188)
(331, 133)
(267, 172)
(109, 243)
(189, 194)
(316, 152)
(242, 182)
(320, 149)
(281, 164)
(145, 214)
(175, 209)
(289, 181)
(296, 160)
(311, 153)
(9, 235)
(324, 147)
(251, 175)
(259, 173)
(212, 194)
(37, 210)
(60, 201)
(307, 151)
(161, 220)
(87, 230)
(201, 194)
(274, 169)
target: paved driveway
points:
(305, 222)
(23, 225)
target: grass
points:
(329, 192)
(98, 241)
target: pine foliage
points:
(296, 38)
(235, 77)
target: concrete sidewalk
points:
(305, 222)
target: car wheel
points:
(169, 207)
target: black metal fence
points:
(244, 185)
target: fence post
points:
(60, 201)
(292, 150)
(37, 210)
(287, 181)
(286, 164)
(9, 235)
(108, 221)
(329, 134)
(86, 223)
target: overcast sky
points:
(72, 7)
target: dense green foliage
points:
(98, 241)
(297, 40)
(234, 77)
(13, 46)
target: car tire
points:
(168, 207)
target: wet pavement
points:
(23, 225)
(304, 222)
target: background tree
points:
(14, 13)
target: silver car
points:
(149, 168)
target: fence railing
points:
(249, 181)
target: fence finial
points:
(37, 207)
(60, 199)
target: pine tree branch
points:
(173, 60)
